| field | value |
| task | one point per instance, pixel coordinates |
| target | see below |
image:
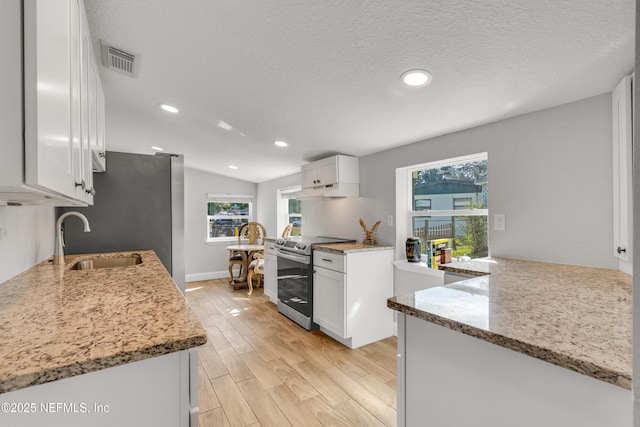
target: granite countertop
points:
(579, 318)
(56, 323)
(344, 248)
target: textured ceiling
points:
(325, 75)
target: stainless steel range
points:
(295, 277)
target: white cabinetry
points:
(321, 172)
(350, 293)
(438, 368)
(47, 161)
(337, 176)
(622, 170)
(160, 391)
(270, 271)
(96, 117)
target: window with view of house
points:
(226, 214)
(449, 201)
(290, 210)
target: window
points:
(226, 214)
(422, 204)
(290, 209)
(462, 202)
(448, 200)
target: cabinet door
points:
(86, 64)
(309, 175)
(49, 145)
(329, 300)
(99, 151)
(328, 170)
(75, 31)
(622, 170)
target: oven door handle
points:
(303, 259)
(292, 276)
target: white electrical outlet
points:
(389, 220)
(499, 222)
(3, 233)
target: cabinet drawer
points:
(332, 261)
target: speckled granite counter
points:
(56, 323)
(579, 318)
(343, 248)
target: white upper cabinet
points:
(320, 173)
(336, 176)
(622, 124)
(48, 52)
(98, 148)
(50, 160)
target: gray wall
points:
(268, 199)
(206, 261)
(550, 173)
(131, 209)
(29, 238)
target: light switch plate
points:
(499, 222)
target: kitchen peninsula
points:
(116, 339)
(525, 343)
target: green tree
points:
(475, 228)
(469, 171)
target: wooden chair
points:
(256, 268)
(252, 231)
(287, 231)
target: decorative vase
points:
(412, 247)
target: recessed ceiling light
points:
(233, 167)
(224, 125)
(416, 78)
(169, 108)
(280, 143)
(157, 148)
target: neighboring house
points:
(447, 194)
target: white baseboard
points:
(196, 277)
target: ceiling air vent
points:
(119, 60)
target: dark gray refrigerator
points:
(138, 205)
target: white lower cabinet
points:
(270, 271)
(329, 300)
(350, 293)
(447, 378)
(152, 392)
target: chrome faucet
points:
(58, 255)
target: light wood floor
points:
(261, 369)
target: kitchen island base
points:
(150, 392)
(446, 378)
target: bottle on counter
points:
(412, 248)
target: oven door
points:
(294, 282)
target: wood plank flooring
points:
(261, 369)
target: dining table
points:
(246, 251)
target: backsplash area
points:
(26, 238)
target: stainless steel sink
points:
(118, 262)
